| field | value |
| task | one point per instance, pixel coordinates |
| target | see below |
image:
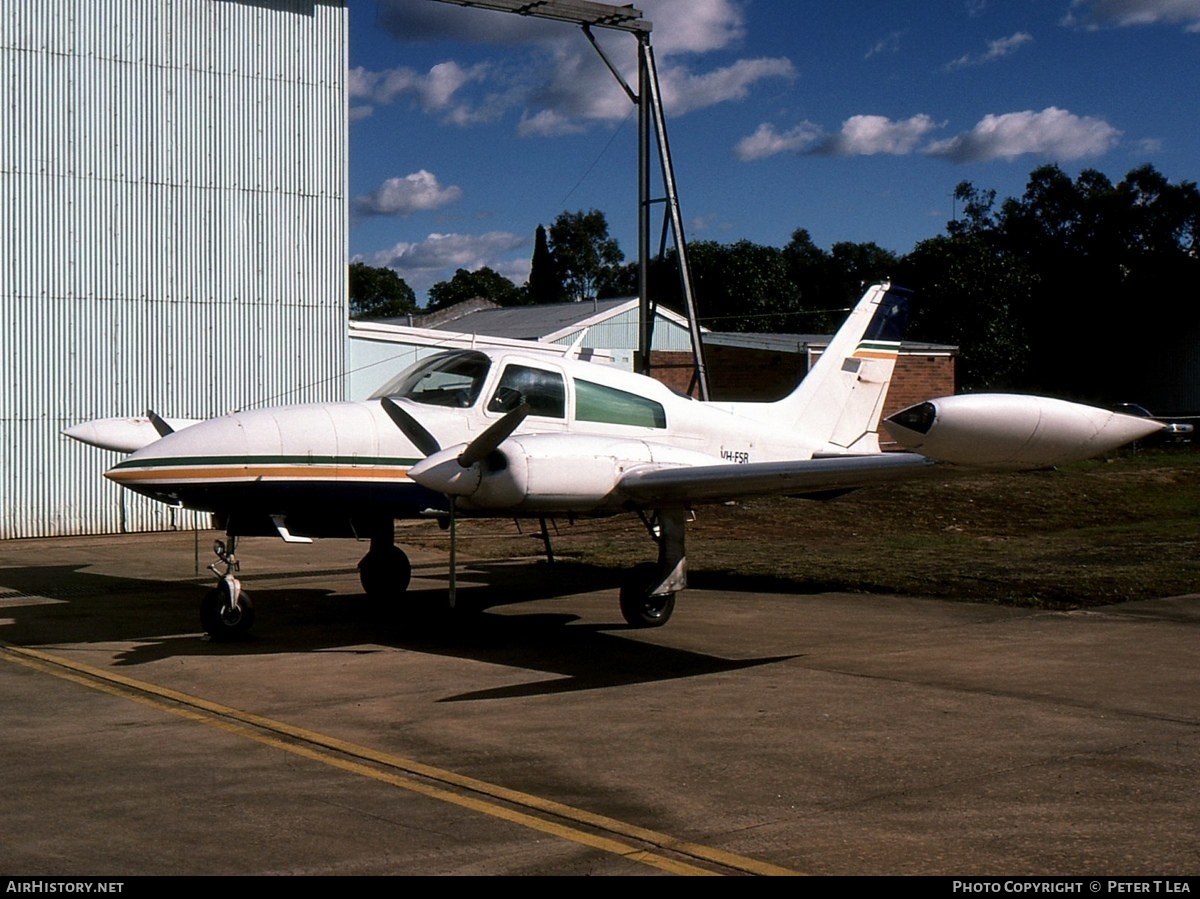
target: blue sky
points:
(854, 121)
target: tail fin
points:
(840, 400)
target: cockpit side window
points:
(448, 379)
(542, 390)
(596, 402)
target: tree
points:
(811, 272)
(972, 294)
(743, 287)
(545, 285)
(1042, 293)
(483, 283)
(378, 293)
(584, 253)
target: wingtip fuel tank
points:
(1012, 431)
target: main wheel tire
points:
(223, 620)
(638, 607)
(385, 574)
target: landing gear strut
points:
(226, 612)
(648, 594)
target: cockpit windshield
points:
(448, 379)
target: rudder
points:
(840, 401)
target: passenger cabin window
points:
(448, 379)
(595, 402)
(544, 391)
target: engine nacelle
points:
(1012, 431)
(547, 472)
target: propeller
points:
(487, 442)
(456, 472)
(450, 472)
(159, 423)
(410, 427)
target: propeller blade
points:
(410, 427)
(479, 448)
(160, 425)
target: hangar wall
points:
(173, 190)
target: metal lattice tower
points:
(648, 99)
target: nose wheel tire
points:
(225, 620)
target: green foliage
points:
(973, 296)
(1044, 292)
(378, 293)
(585, 256)
(482, 283)
(545, 284)
(1039, 292)
(742, 287)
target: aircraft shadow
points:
(48, 605)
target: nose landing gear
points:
(226, 612)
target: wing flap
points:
(653, 485)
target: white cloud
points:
(437, 91)
(860, 135)
(572, 86)
(889, 44)
(683, 91)
(418, 192)
(680, 26)
(766, 141)
(1052, 132)
(548, 123)
(581, 90)
(694, 26)
(996, 49)
(1120, 13)
(874, 135)
(438, 256)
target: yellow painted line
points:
(254, 473)
(251, 726)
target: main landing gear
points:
(385, 571)
(226, 612)
(648, 594)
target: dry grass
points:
(1095, 533)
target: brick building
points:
(764, 367)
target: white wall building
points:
(173, 184)
(605, 330)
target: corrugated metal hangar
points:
(173, 182)
(173, 186)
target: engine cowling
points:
(546, 472)
(1012, 431)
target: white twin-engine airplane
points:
(510, 434)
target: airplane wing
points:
(675, 485)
